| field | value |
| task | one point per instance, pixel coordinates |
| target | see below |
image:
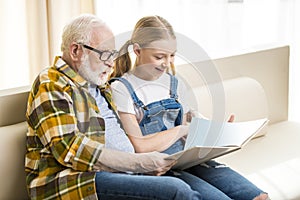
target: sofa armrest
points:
(12, 172)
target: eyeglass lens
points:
(106, 55)
(103, 55)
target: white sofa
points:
(255, 86)
(12, 143)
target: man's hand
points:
(153, 163)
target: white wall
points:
(13, 44)
(221, 28)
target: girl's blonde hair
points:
(147, 29)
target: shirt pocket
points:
(152, 127)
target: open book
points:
(208, 139)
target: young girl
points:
(151, 105)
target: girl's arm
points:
(159, 141)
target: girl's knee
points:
(181, 190)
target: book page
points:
(237, 133)
(203, 132)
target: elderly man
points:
(76, 148)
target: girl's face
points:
(154, 59)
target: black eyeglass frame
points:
(113, 53)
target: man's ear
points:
(75, 51)
(136, 49)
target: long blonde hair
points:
(147, 29)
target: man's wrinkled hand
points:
(154, 163)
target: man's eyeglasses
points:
(103, 55)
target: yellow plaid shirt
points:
(65, 135)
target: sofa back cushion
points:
(13, 103)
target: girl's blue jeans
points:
(211, 181)
(118, 186)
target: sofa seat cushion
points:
(273, 161)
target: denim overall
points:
(159, 115)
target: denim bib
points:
(159, 115)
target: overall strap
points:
(133, 95)
(173, 86)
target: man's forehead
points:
(108, 43)
(103, 38)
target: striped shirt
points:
(115, 137)
(65, 135)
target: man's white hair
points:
(79, 30)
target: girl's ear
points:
(136, 49)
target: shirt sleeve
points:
(122, 98)
(52, 116)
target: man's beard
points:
(90, 75)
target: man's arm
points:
(51, 114)
(152, 163)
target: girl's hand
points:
(231, 118)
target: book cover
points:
(208, 139)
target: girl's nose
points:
(164, 65)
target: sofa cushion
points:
(271, 162)
(13, 104)
(12, 172)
